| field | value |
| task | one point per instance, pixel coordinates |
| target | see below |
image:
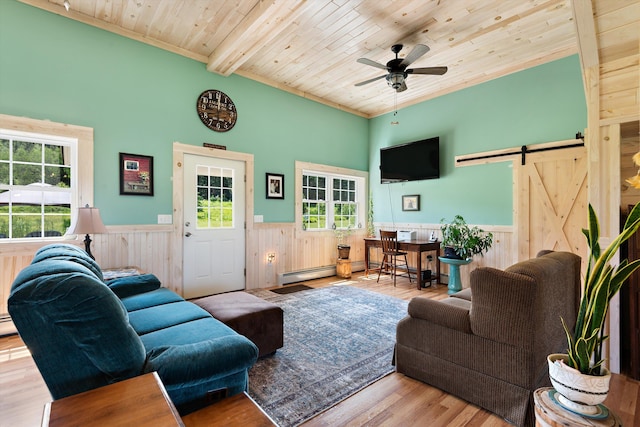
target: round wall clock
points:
(216, 110)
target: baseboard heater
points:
(314, 273)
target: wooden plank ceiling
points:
(310, 47)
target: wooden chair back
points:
(389, 240)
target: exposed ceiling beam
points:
(262, 24)
(586, 31)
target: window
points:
(332, 198)
(215, 197)
(314, 201)
(35, 185)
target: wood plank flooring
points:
(395, 400)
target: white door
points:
(214, 226)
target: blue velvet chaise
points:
(84, 333)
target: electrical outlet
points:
(165, 219)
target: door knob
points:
(187, 234)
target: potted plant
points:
(460, 241)
(343, 248)
(371, 228)
(579, 376)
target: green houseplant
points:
(341, 235)
(579, 376)
(462, 240)
(602, 282)
(371, 228)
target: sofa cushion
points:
(464, 294)
(150, 299)
(187, 333)
(133, 285)
(163, 316)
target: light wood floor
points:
(395, 400)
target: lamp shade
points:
(88, 222)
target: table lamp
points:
(88, 222)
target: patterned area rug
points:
(337, 340)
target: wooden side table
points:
(343, 268)
(550, 414)
(235, 411)
(139, 401)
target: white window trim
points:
(84, 170)
(300, 167)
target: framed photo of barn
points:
(136, 175)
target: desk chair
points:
(392, 256)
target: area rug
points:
(337, 340)
(289, 289)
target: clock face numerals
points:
(216, 110)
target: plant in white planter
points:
(463, 240)
(584, 358)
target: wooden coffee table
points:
(143, 401)
(139, 401)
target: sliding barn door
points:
(550, 199)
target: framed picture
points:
(411, 203)
(275, 186)
(136, 175)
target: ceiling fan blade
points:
(438, 71)
(371, 80)
(417, 52)
(372, 63)
(402, 87)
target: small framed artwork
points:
(136, 175)
(275, 186)
(411, 203)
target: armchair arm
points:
(133, 285)
(213, 358)
(452, 313)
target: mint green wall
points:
(140, 99)
(541, 104)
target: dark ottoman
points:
(248, 315)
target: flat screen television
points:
(412, 161)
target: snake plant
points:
(602, 282)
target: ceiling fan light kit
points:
(397, 70)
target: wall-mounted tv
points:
(412, 161)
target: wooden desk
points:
(139, 401)
(235, 411)
(418, 246)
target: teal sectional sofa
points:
(84, 333)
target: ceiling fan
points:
(397, 68)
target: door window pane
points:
(215, 197)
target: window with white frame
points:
(37, 184)
(332, 201)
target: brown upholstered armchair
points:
(488, 344)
